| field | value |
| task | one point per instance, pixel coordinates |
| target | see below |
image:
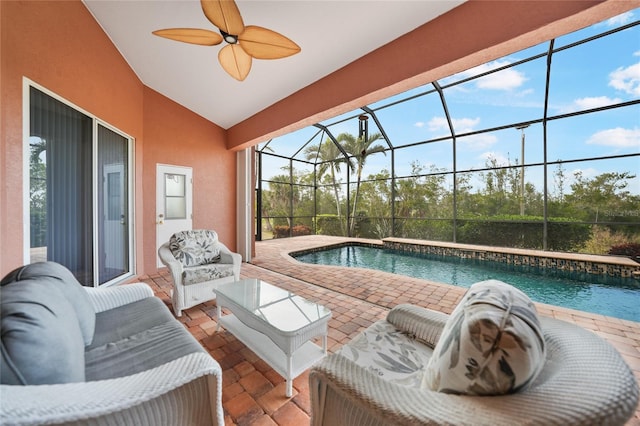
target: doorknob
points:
(160, 219)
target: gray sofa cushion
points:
(195, 247)
(67, 284)
(41, 339)
(136, 337)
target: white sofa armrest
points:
(114, 401)
(104, 299)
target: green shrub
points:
(425, 229)
(602, 240)
(282, 231)
(523, 232)
(568, 235)
(330, 224)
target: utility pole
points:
(521, 128)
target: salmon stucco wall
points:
(176, 136)
(59, 46)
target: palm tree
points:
(360, 148)
(329, 156)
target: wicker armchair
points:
(584, 381)
(198, 263)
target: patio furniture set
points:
(74, 355)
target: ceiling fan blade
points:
(262, 43)
(224, 14)
(235, 61)
(191, 35)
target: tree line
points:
(494, 206)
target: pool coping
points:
(614, 266)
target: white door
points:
(114, 217)
(174, 195)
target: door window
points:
(175, 196)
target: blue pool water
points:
(611, 296)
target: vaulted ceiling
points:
(353, 52)
(331, 34)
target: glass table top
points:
(276, 306)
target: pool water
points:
(611, 296)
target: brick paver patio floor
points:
(253, 393)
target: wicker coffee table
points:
(275, 324)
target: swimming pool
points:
(611, 296)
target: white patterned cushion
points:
(492, 343)
(389, 354)
(195, 247)
(202, 273)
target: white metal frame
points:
(244, 191)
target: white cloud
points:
(525, 92)
(636, 53)
(461, 125)
(617, 137)
(501, 160)
(507, 79)
(478, 142)
(626, 79)
(586, 173)
(621, 19)
(582, 104)
(438, 123)
(419, 124)
(464, 125)
(595, 102)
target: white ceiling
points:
(331, 34)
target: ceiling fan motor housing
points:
(229, 38)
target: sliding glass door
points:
(79, 191)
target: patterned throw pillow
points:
(492, 343)
(195, 247)
(201, 273)
(389, 353)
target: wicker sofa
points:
(198, 263)
(76, 355)
(378, 379)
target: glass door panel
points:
(78, 191)
(61, 185)
(113, 205)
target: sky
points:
(602, 72)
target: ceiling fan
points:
(244, 42)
